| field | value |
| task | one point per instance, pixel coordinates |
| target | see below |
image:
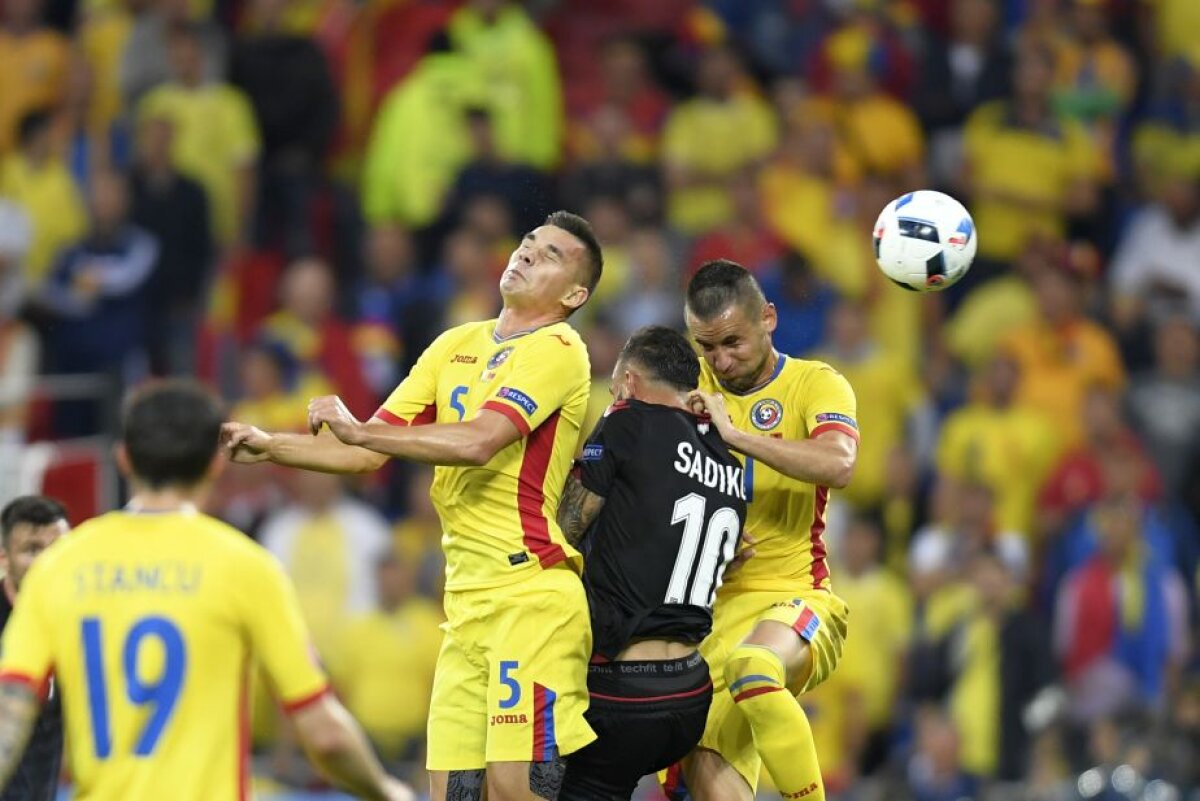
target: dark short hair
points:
(32, 124)
(666, 354)
(719, 284)
(581, 229)
(171, 431)
(34, 510)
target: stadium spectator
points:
(626, 88)
(174, 209)
(898, 412)
(272, 394)
(652, 294)
(971, 65)
(419, 140)
(296, 118)
(36, 179)
(995, 440)
(608, 170)
(523, 189)
(1062, 353)
(417, 535)
(383, 665)
(1153, 271)
(744, 237)
(98, 291)
(33, 67)
(935, 771)
(1028, 168)
(523, 89)
(1164, 402)
(19, 346)
(1082, 476)
(726, 127)
(803, 303)
(216, 139)
(319, 340)
(467, 261)
(147, 63)
(329, 543)
(1121, 618)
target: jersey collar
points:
(781, 358)
(518, 334)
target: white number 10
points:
(702, 575)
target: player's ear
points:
(576, 296)
(122, 458)
(770, 318)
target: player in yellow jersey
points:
(777, 626)
(148, 620)
(498, 406)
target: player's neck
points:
(768, 370)
(163, 500)
(515, 320)
(664, 397)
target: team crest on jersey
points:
(766, 414)
(499, 357)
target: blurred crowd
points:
(293, 197)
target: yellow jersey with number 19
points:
(498, 520)
(149, 624)
(800, 400)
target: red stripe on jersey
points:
(292, 707)
(424, 417)
(539, 723)
(38, 686)
(512, 414)
(754, 692)
(845, 429)
(820, 570)
(243, 745)
(531, 495)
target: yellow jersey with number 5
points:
(149, 624)
(800, 400)
(498, 519)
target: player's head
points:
(656, 362)
(28, 526)
(555, 268)
(732, 322)
(169, 436)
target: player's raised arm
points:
(826, 458)
(324, 453)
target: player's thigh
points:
(458, 713)
(709, 777)
(538, 642)
(525, 781)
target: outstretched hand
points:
(330, 411)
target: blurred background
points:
(293, 197)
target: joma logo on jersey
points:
(462, 358)
(766, 414)
(506, 720)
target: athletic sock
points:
(783, 738)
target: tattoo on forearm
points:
(577, 509)
(18, 713)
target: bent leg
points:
(709, 777)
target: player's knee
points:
(752, 670)
(464, 785)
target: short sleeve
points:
(830, 403)
(545, 374)
(279, 638)
(414, 401)
(608, 447)
(26, 653)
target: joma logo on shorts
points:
(807, 791)
(501, 720)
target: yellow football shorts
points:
(817, 616)
(511, 680)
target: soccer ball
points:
(924, 241)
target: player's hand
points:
(744, 554)
(713, 405)
(328, 410)
(396, 790)
(245, 443)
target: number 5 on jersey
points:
(160, 695)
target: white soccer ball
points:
(925, 241)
